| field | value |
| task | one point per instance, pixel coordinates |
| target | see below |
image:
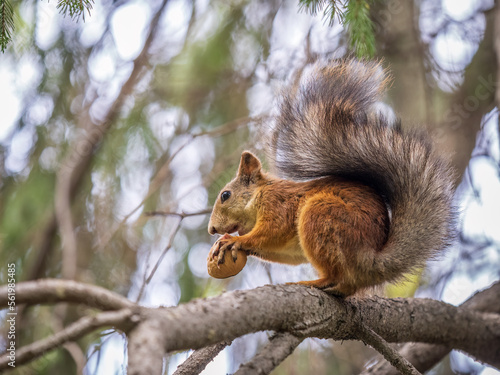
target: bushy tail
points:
(331, 126)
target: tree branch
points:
(312, 313)
(297, 310)
(280, 346)
(72, 332)
(422, 356)
(65, 223)
(162, 173)
(145, 348)
(426, 356)
(147, 279)
(78, 160)
(390, 354)
(54, 290)
(200, 358)
(182, 215)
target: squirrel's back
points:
(331, 125)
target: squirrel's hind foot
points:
(329, 286)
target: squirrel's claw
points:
(227, 243)
(234, 254)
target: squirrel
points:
(357, 197)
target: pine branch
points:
(332, 9)
(360, 27)
(354, 15)
(75, 8)
(6, 23)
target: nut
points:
(229, 267)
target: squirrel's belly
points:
(290, 253)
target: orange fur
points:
(332, 223)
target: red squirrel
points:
(357, 197)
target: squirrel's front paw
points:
(223, 259)
(225, 243)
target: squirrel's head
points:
(234, 209)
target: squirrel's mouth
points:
(241, 231)
(236, 228)
(233, 229)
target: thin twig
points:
(200, 358)
(390, 354)
(147, 280)
(72, 332)
(163, 171)
(182, 215)
(280, 346)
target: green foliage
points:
(360, 27)
(6, 23)
(332, 8)
(23, 212)
(75, 8)
(355, 15)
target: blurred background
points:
(119, 129)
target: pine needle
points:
(360, 28)
(332, 8)
(75, 8)
(6, 23)
(354, 15)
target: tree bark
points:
(297, 310)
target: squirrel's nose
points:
(212, 230)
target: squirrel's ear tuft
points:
(250, 166)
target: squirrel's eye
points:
(225, 196)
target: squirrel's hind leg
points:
(325, 229)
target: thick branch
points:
(430, 321)
(308, 312)
(145, 348)
(54, 290)
(426, 356)
(297, 310)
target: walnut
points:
(229, 267)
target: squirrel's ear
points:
(250, 167)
